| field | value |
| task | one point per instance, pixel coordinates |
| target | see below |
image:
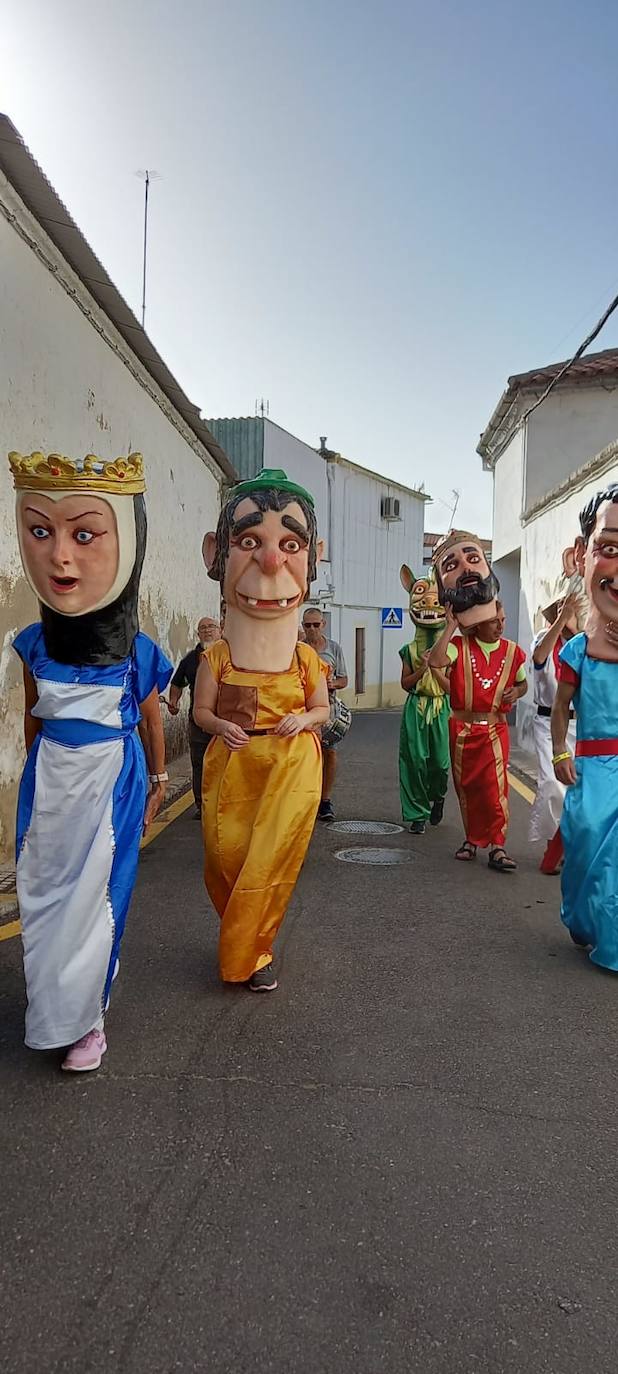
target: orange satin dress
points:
(258, 805)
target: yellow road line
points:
(170, 814)
(525, 792)
(13, 928)
(9, 930)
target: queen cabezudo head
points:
(266, 550)
(82, 537)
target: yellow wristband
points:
(560, 758)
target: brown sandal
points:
(466, 852)
(500, 861)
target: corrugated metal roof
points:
(243, 439)
(32, 186)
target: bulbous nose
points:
(271, 560)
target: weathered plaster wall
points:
(71, 385)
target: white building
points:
(544, 473)
(370, 526)
(80, 376)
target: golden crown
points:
(35, 472)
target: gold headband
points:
(35, 472)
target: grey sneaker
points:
(263, 980)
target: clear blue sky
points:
(370, 213)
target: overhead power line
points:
(613, 305)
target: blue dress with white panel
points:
(79, 823)
(589, 824)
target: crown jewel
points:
(35, 472)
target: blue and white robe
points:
(79, 823)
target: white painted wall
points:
(508, 490)
(572, 425)
(71, 385)
(367, 554)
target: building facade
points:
(370, 526)
(80, 376)
(544, 471)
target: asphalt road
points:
(403, 1161)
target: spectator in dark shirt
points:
(208, 631)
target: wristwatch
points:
(159, 777)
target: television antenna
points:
(146, 175)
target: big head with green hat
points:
(265, 550)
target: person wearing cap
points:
(487, 676)
(263, 695)
(561, 625)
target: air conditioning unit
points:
(389, 508)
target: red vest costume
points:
(479, 736)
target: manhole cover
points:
(366, 828)
(365, 855)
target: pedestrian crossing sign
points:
(392, 618)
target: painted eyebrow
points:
(33, 511)
(82, 516)
(608, 529)
(296, 527)
(247, 522)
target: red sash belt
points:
(591, 748)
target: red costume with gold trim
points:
(479, 735)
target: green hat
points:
(270, 479)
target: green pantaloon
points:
(423, 756)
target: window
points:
(359, 662)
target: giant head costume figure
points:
(426, 613)
(465, 580)
(82, 537)
(264, 555)
(594, 557)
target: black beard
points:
(473, 594)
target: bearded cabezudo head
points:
(464, 577)
(265, 551)
(424, 606)
(82, 537)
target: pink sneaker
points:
(87, 1053)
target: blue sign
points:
(392, 618)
